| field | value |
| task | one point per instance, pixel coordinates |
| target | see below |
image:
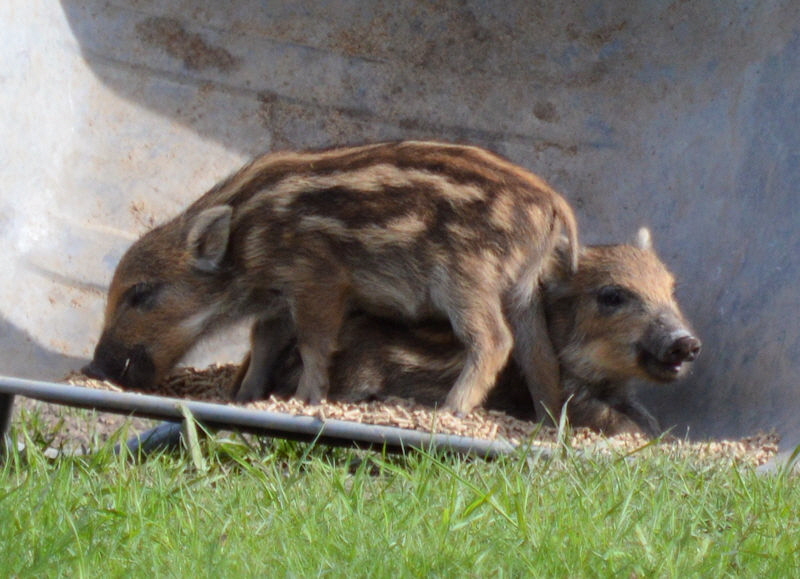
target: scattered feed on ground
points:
(211, 385)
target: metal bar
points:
(165, 436)
(6, 410)
(220, 416)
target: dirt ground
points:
(73, 429)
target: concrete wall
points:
(680, 116)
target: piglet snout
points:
(684, 349)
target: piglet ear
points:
(644, 239)
(558, 270)
(208, 236)
(563, 252)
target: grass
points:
(234, 507)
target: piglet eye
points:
(142, 296)
(612, 297)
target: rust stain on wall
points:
(196, 53)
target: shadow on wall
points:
(29, 359)
(255, 77)
(294, 95)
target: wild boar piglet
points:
(296, 240)
(614, 321)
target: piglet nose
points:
(684, 349)
(92, 370)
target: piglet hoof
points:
(309, 394)
(455, 410)
(309, 398)
(243, 396)
(313, 400)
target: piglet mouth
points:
(660, 370)
(95, 372)
(672, 362)
(129, 368)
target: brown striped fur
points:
(613, 321)
(296, 240)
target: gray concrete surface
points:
(680, 116)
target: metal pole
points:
(220, 416)
(165, 436)
(6, 410)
